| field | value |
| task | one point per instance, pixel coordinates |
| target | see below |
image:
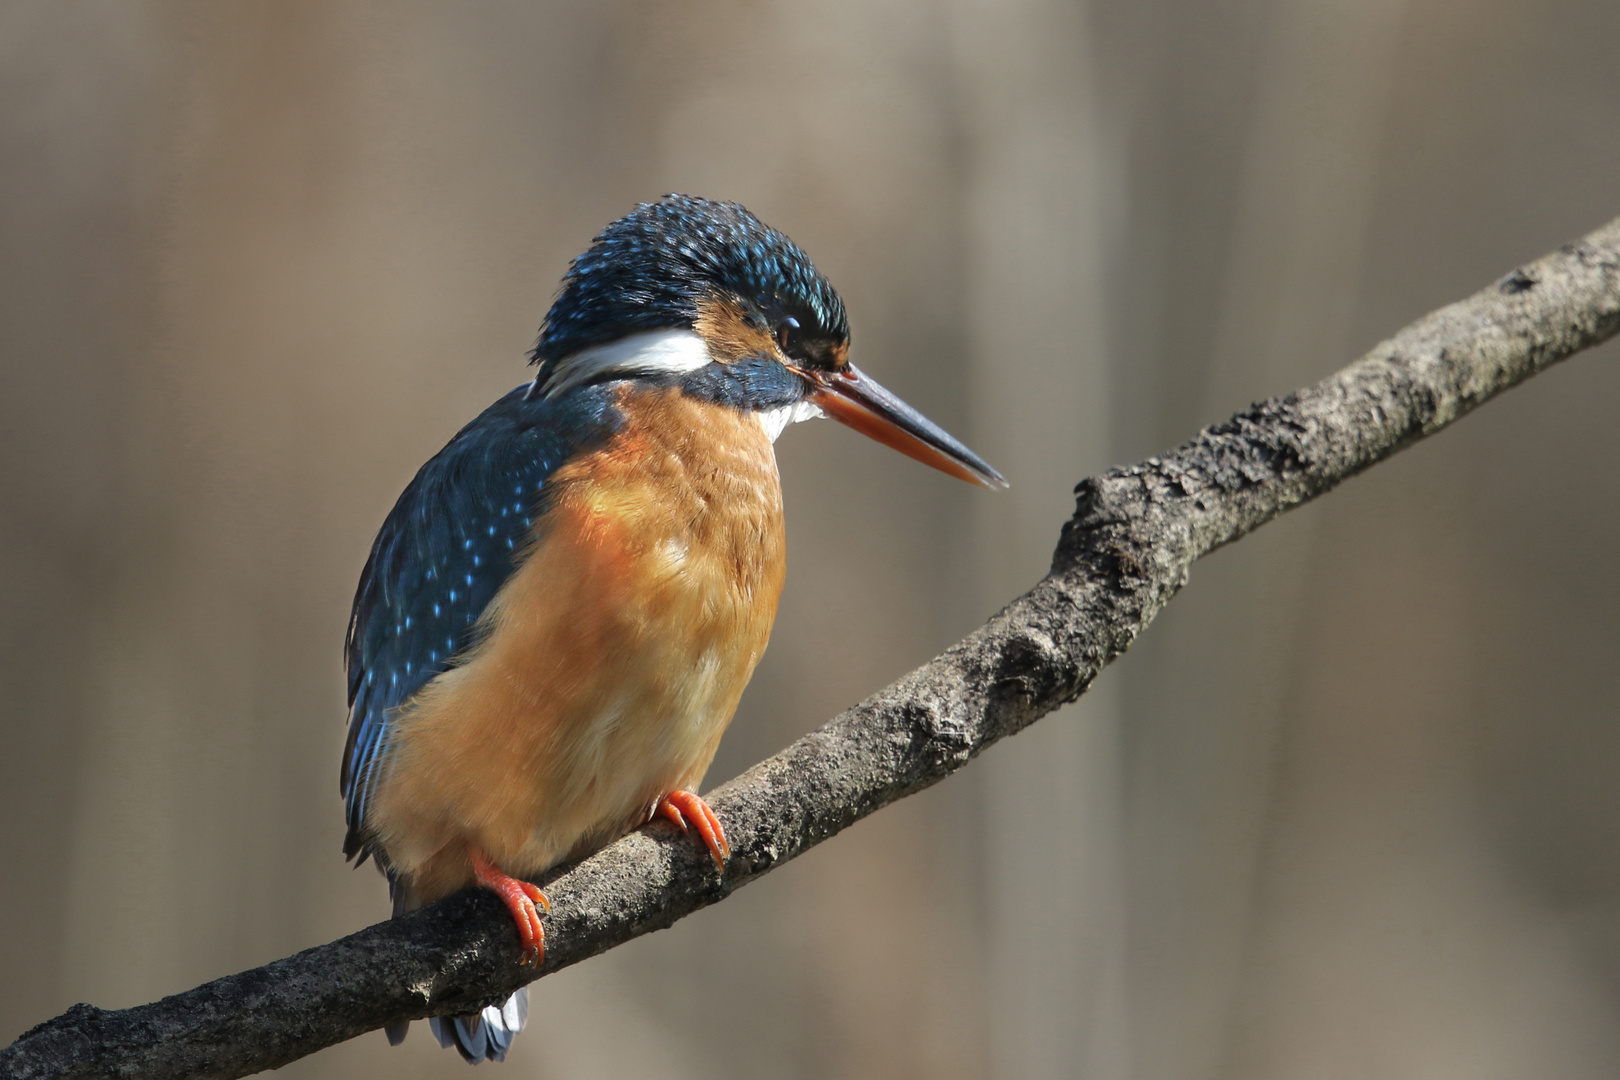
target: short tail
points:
(484, 1037)
(487, 1035)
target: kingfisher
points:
(560, 613)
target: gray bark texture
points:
(1135, 534)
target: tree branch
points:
(1129, 547)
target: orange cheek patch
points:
(729, 333)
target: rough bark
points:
(1132, 541)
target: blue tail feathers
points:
(483, 1037)
(488, 1035)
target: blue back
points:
(456, 534)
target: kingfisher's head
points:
(705, 295)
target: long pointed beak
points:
(851, 397)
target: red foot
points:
(521, 898)
(690, 812)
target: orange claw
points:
(520, 898)
(689, 812)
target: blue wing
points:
(456, 534)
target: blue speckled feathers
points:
(454, 537)
(655, 266)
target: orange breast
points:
(614, 658)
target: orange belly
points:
(614, 657)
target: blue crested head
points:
(702, 296)
(658, 265)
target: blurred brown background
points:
(1350, 809)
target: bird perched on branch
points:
(560, 613)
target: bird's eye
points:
(787, 335)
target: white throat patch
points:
(775, 421)
(639, 354)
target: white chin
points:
(775, 421)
